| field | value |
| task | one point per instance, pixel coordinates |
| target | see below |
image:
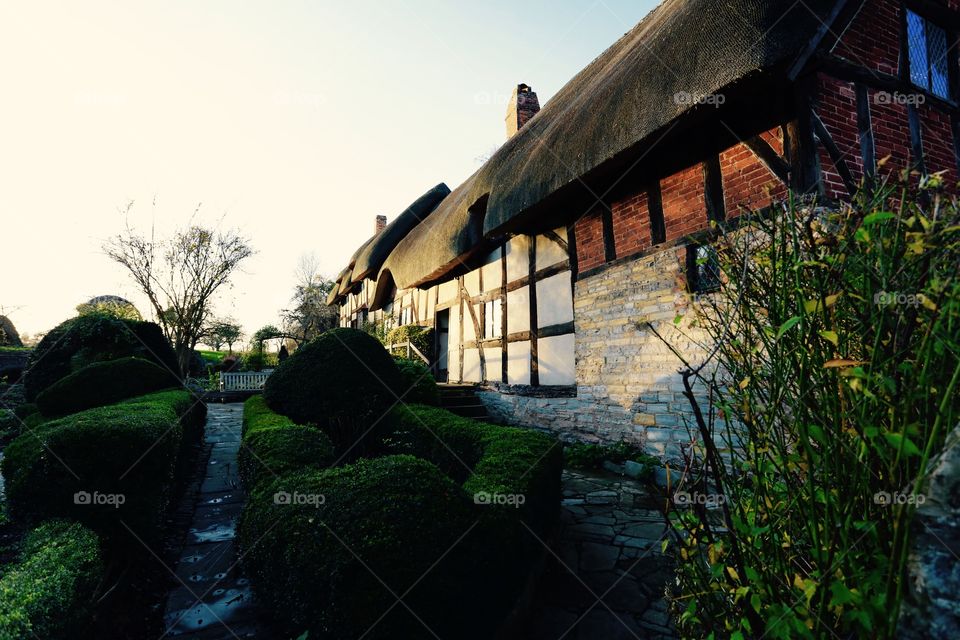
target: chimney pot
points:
(380, 225)
(523, 106)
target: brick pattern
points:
(684, 206)
(631, 224)
(747, 183)
(873, 38)
(590, 249)
(937, 136)
(836, 104)
(891, 133)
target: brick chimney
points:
(381, 224)
(523, 106)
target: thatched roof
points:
(609, 115)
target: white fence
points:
(244, 381)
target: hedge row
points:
(103, 383)
(104, 465)
(83, 340)
(48, 593)
(398, 515)
(273, 445)
(417, 384)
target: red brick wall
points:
(684, 207)
(631, 224)
(746, 181)
(837, 107)
(891, 132)
(937, 137)
(873, 38)
(589, 234)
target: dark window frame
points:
(700, 280)
(929, 17)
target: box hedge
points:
(343, 381)
(48, 592)
(390, 519)
(76, 465)
(103, 383)
(417, 384)
(273, 445)
(83, 340)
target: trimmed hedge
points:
(66, 467)
(83, 340)
(273, 445)
(399, 514)
(417, 384)
(343, 381)
(103, 383)
(48, 593)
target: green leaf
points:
(895, 440)
(786, 326)
(877, 217)
(830, 336)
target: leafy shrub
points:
(344, 381)
(838, 384)
(9, 425)
(84, 340)
(130, 449)
(489, 459)
(47, 594)
(103, 383)
(399, 515)
(26, 409)
(417, 383)
(420, 337)
(274, 445)
(592, 456)
(254, 361)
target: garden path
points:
(212, 599)
(608, 576)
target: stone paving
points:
(607, 579)
(212, 599)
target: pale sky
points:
(295, 121)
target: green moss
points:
(47, 594)
(397, 515)
(103, 383)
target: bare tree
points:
(180, 276)
(310, 314)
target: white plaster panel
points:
(471, 365)
(491, 356)
(554, 300)
(518, 310)
(549, 252)
(448, 291)
(556, 359)
(518, 362)
(518, 258)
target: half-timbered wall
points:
(510, 319)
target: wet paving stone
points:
(608, 578)
(213, 600)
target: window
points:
(493, 318)
(927, 54)
(406, 316)
(703, 269)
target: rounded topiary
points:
(343, 381)
(86, 339)
(398, 519)
(103, 383)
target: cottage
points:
(538, 272)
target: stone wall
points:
(628, 386)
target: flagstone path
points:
(212, 599)
(608, 576)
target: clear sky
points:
(294, 121)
